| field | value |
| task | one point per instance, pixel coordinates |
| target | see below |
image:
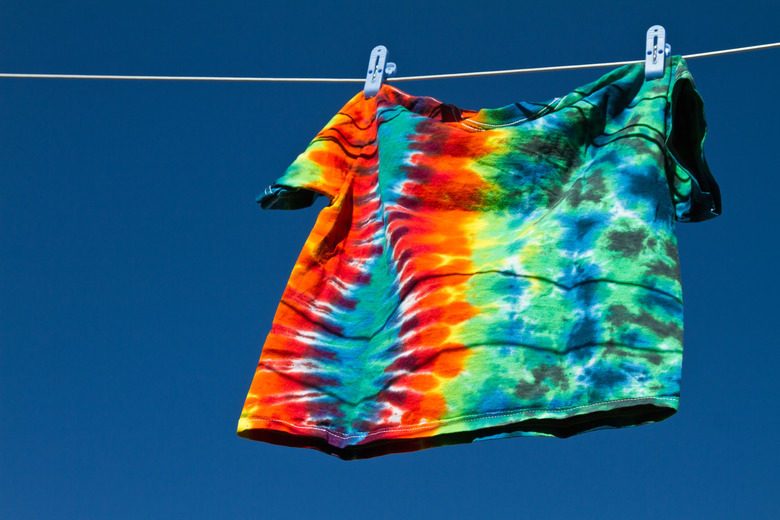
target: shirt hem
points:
(552, 422)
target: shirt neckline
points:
(510, 115)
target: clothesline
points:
(361, 80)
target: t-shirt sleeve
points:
(323, 167)
(695, 193)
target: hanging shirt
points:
(484, 274)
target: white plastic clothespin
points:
(379, 69)
(656, 52)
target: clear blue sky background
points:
(139, 278)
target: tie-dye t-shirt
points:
(485, 274)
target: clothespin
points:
(656, 52)
(379, 69)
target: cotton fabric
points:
(486, 273)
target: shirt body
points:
(487, 273)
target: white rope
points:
(516, 71)
(182, 78)
(732, 51)
(362, 80)
(572, 67)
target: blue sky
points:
(139, 277)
